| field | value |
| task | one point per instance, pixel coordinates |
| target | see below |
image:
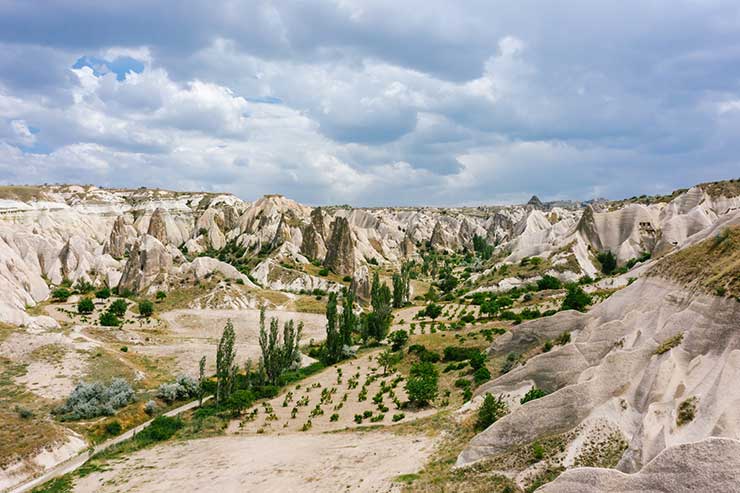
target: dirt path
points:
(75, 462)
(357, 462)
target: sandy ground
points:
(361, 462)
(273, 417)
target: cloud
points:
(372, 102)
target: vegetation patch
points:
(669, 344)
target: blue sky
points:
(372, 103)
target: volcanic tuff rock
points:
(117, 243)
(340, 254)
(148, 266)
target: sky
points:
(372, 103)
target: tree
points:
(398, 339)
(421, 386)
(201, 380)
(388, 359)
(60, 294)
(576, 299)
(532, 394)
(103, 293)
(379, 320)
(348, 319)
(432, 310)
(398, 291)
(491, 410)
(118, 307)
(277, 355)
(225, 356)
(85, 305)
(333, 346)
(109, 319)
(548, 282)
(146, 308)
(608, 262)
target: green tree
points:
(225, 356)
(388, 360)
(60, 294)
(379, 320)
(398, 339)
(348, 319)
(103, 293)
(146, 308)
(422, 384)
(119, 307)
(333, 345)
(85, 305)
(109, 319)
(398, 291)
(608, 262)
(277, 355)
(201, 380)
(491, 410)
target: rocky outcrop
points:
(148, 266)
(116, 246)
(157, 225)
(313, 244)
(536, 203)
(202, 267)
(361, 282)
(631, 362)
(712, 464)
(340, 255)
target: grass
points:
(669, 344)
(711, 266)
(309, 304)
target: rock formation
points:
(148, 266)
(340, 255)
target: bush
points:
(183, 388)
(549, 282)
(118, 307)
(608, 262)
(162, 428)
(85, 306)
(511, 360)
(90, 400)
(113, 428)
(109, 319)
(146, 308)
(162, 295)
(491, 410)
(24, 413)
(324, 272)
(240, 400)
(432, 310)
(347, 279)
(150, 407)
(686, 411)
(398, 417)
(60, 294)
(532, 394)
(398, 339)
(102, 293)
(481, 375)
(124, 349)
(421, 385)
(477, 360)
(576, 299)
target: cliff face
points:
(148, 266)
(340, 254)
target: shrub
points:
(109, 319)
(118, 307)
(84, 287)
(538, 452)
(549, 282)
(24, 413)
(162, 428)
(462, 383)
(102, 293)
(124, 349)
(576, 299)
(162, 295)
(334, 417)
(398, 417)
(85, 305)
(532, 394)
(113, 428)
(511, 360)
(563, 339)
(183, 388)
(358, 418)
(481, 375)
(608, 262)
(146, 308)
(150, 407)
(669, 344)
(60, 294)
(491, 410)
(347, 279)
(686, 411)
(90, 400)
(324, 272)
(239, 400)
(477, 360)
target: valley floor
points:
(306, 462)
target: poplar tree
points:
(225, 356)
(333, 347)
(348, 320)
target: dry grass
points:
(21, 192)
(725, 188)
(309, 304)
(712, 266)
